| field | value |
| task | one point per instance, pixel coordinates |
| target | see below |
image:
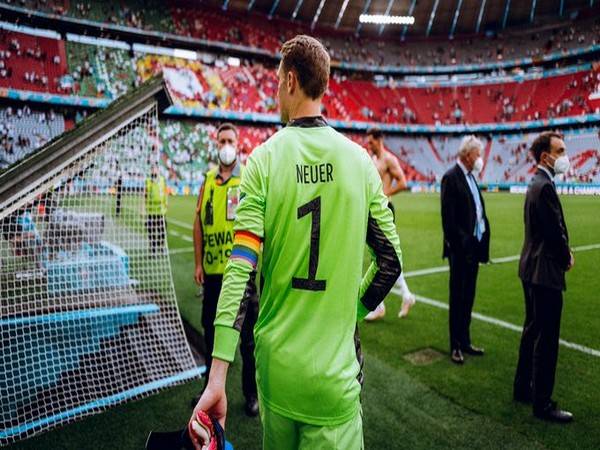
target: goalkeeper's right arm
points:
(213, 400)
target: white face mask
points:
(227, 155)
(478, 165)
(562, 164)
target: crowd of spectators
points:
(252, 87)
(242, 85)
(187, 150)
(98, 71)
(29, 62)
(23, 130)
(143, 14)
(544, 98)
(467, 50)
(256, 31)
(219, 82)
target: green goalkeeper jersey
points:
(312, 198)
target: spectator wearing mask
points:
(466, 242)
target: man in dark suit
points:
(466, 242)
(545, 258)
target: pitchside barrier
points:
(514, 188)
(88, 315)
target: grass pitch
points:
(425, 406)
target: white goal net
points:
(88, 315)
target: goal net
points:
(88, 315)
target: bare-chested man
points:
(394, 181)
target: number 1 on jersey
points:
(311, 283)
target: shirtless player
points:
(394, 181)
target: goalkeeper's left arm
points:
(384, 246)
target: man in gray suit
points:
(545, 258)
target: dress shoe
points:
(473, 351)
(251, 406)
(457, 357)
(551, 413)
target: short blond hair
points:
(309, 60)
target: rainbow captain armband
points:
(246, 246)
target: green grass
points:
(406, 406)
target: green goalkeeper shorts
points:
(281, 433)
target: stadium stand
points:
(35, 63)
(23, 130)
(506, 158)
(147, 15)
(466, 50)
(213, 25)
(242, 85)
(558, 96)
(30, 62)
(251, 87)
(187, 149)
(257, 31)
(98, 71)
(40, 64)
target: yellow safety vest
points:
(156, 196)
(217, 213)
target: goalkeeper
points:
(311, 198)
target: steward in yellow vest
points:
(155, 195)
(213, 242)
(216, 214)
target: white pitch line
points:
(185, 237)
(504, 259)
(421, 272)
(178, 251)
(180, 223)
(585, 248)
(501, 323)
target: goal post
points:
(88, 313)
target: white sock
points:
(401, 283)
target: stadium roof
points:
(432, 17)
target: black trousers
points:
(463, 281)
(212, 289)
(538, 354)
(155, 226)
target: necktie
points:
(475, 193)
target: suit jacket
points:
(459, 216)
(546, 253)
